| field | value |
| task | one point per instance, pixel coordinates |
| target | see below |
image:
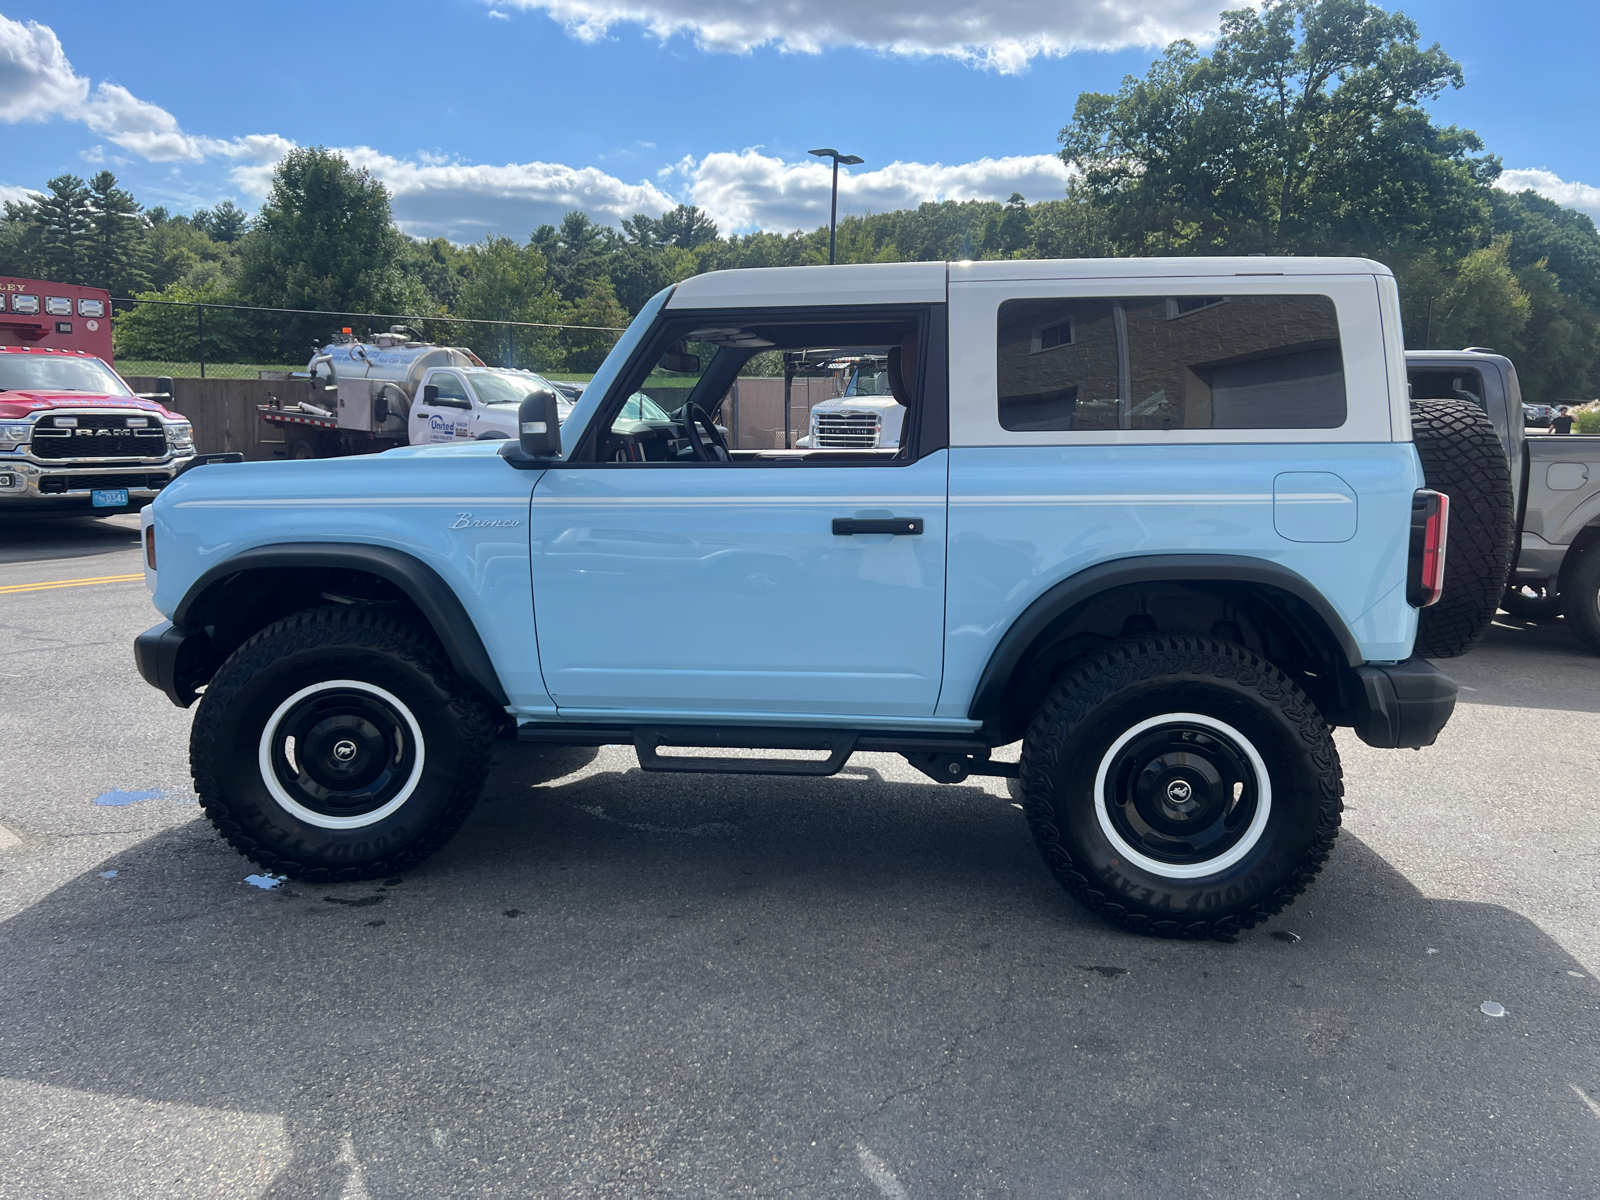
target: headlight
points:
(14, 434)
(180, 435)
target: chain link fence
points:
(235, 341)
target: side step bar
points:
(944, 759)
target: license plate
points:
(110, 498)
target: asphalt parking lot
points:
(867, 986)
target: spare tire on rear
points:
(1462, 457)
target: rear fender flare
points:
(1061, 599)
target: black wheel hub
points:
(343, 753)
(1181, 793)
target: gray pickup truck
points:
(1556, 484)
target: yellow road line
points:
(66, 583)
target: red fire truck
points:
(73, 436)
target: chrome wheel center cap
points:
(345, 751)
(1179, 791)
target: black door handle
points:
(845, 526)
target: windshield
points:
(641, 408)
(50, 373)
(869, 381)
(507, 387)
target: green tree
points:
(60, 226)
(1565, 240)
(323, 240)
(503, 280)
(1303, 131)
(1483, 303)
(116, 253)
(224, 223)
(585, 351)
(575, 253)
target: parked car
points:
(1537, 414)
(1160, 520)
(75, 438)
(1555, 491)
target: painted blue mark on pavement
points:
(264, 882)
(108, 874)
(116, 797)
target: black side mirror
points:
(538, 441)
(164, 384)
(430, 394)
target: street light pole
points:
(848, 160)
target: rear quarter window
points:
(1170, 363)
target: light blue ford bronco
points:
(1162, 520)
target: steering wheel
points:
(705, 439)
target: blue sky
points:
(488, 116)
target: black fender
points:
(420, 583)
(1063, 598)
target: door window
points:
(770, 386)
(451, 388)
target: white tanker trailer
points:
(396, 390)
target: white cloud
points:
(463, 202)
(16, 195)
(38, 83)
(743, 191)
(1581, 196)
(36, 80)
(1002, 34)
(750, 190)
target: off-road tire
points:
(1463, 458)
(374, 647)
(1580, 596)
(1543, 605)
(1105, 698)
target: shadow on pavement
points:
(630, 983)
(28, 538)
(1528, 664)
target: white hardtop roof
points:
(851, 283)
(925, 282)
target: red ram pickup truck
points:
(75, 438)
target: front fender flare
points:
(421, 584)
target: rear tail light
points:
(150, 546)
(1430, 528)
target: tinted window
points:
(1446, 383)
(1175, 362)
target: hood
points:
(23, 404)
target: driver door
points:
(694, 590)
(446, 417)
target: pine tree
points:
(62, 222)
(224, 223)
(116, 256)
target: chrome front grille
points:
(847, 430)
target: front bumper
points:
(67, 487)
(174, 660)
(1404, 705)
